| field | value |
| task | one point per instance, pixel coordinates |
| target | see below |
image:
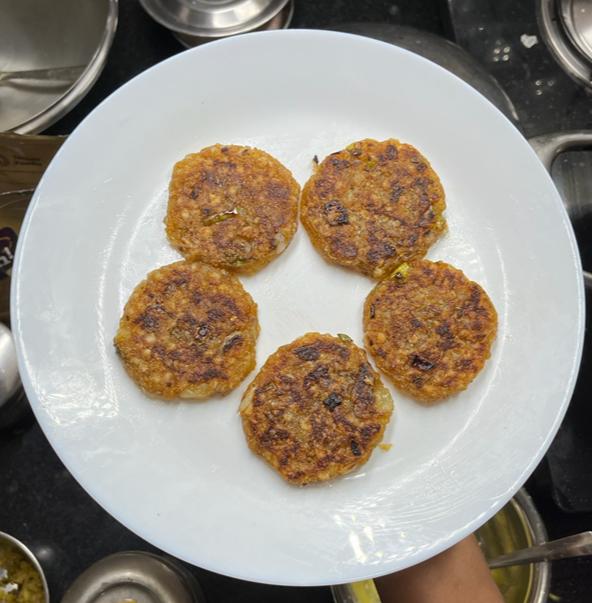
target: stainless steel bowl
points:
(41, 34)
(8, 540)
(194, 22)
(135, 576)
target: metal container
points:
(194, 22)
(10, 541)
(577, 18)
(13, 402)
(135, 576)
(566, 26)
(42, 34)
(518, 525)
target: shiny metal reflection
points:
(577, 20)
(42, 34)
(567, 37)
(134, 576)
(281, 20)
(212, 18)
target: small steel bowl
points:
(199, 21)
(518, 525)
(135, 576)
(17, 544)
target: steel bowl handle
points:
(578, 545)
(549, 146)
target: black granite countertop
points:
(43, 505)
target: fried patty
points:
(316, 409)
(188, 330)
(373, 206)
(233, 207)
(429, 328)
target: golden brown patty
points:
(233, 207)
(188, 330)
(429, 328)
(373, 206)
(316, 409)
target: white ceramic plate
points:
(180, 474)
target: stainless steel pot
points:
(41, 34)
(516, 526)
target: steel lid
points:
(577, 20)
(134, 576)
(212, 18)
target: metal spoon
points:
(52, 74)
(9, 375)
(14, 406)
(577, 545)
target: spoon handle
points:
(61, 74)
(577, 545)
